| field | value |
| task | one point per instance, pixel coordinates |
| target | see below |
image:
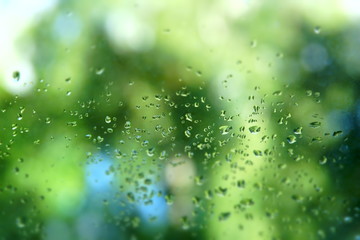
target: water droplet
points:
(16, 75)
(298, 130)
(254, 129)
(225, 129)
(337, 133)
(108, 119)
(145, 143)
(317, 30)
(130, 197)
(100, 71)
(240, 183)
(68, 93)
(224, 216)
(187, 133)
(127, 125)
(150, 152)
(291, 139)
(297, 198)
(188, 117)
(99, 139)
(257, 153)
(315, 124)
(169, 199)
(47, 120)
(148, 181)
(72, 124)
(316, 139)
(323, 160)
(277, 93)
(185, 223)
(281, 120)
(20, 222)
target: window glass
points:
(179, 119)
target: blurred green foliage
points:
(179, 120)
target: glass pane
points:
(179, 119)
